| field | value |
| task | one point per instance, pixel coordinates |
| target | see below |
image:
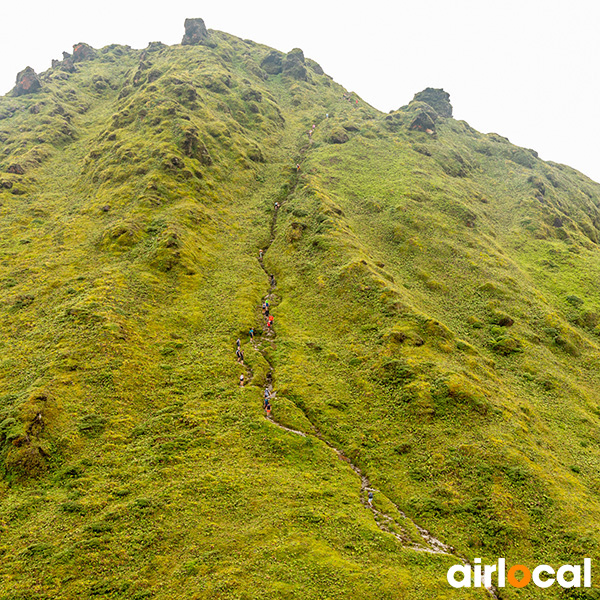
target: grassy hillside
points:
(437, 322)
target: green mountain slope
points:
(436, 327)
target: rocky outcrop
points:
(195, 148)
(82, 52)
(293, 64)
(272, 63)
(437, 98)
(27, 82)
(426, 108)
(423, 121)
(195, 32)
(16, 169)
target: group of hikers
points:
(238, 346)
(269, 323)
(349, 98)
(267, 401)
(238, 351)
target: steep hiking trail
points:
(398, 527)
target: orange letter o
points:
(514, 581)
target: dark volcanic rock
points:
(422, 122)
(195, 32)
(195, 148)
(272, 63)
(16, 169)
(27, 82)
(293, 64)
(83, 52)
(316, 67)
(438, 99)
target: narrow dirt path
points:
(385, 522)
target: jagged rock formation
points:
(195, 32)
(272, 63)
(82, 52)
(438, 99)
(27, 82)
(293, 64)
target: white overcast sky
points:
(527, 69)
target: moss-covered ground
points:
(437, 317)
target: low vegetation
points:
(437, 319)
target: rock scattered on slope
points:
(16, 169)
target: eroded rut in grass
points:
(385, 522)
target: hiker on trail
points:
(260, 255)
(270, 322)
(277, 205)
(252, 334)
(297, 166)
(267, 393)
(267, 312)
(272, 279)
(266, 402)
(371, 498)
(242, 380)
(238, 354)
(327, 115)
(238, 343)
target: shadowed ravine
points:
(384, 521)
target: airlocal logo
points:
(543, 576)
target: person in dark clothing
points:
(251, 335)
(272, 279)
